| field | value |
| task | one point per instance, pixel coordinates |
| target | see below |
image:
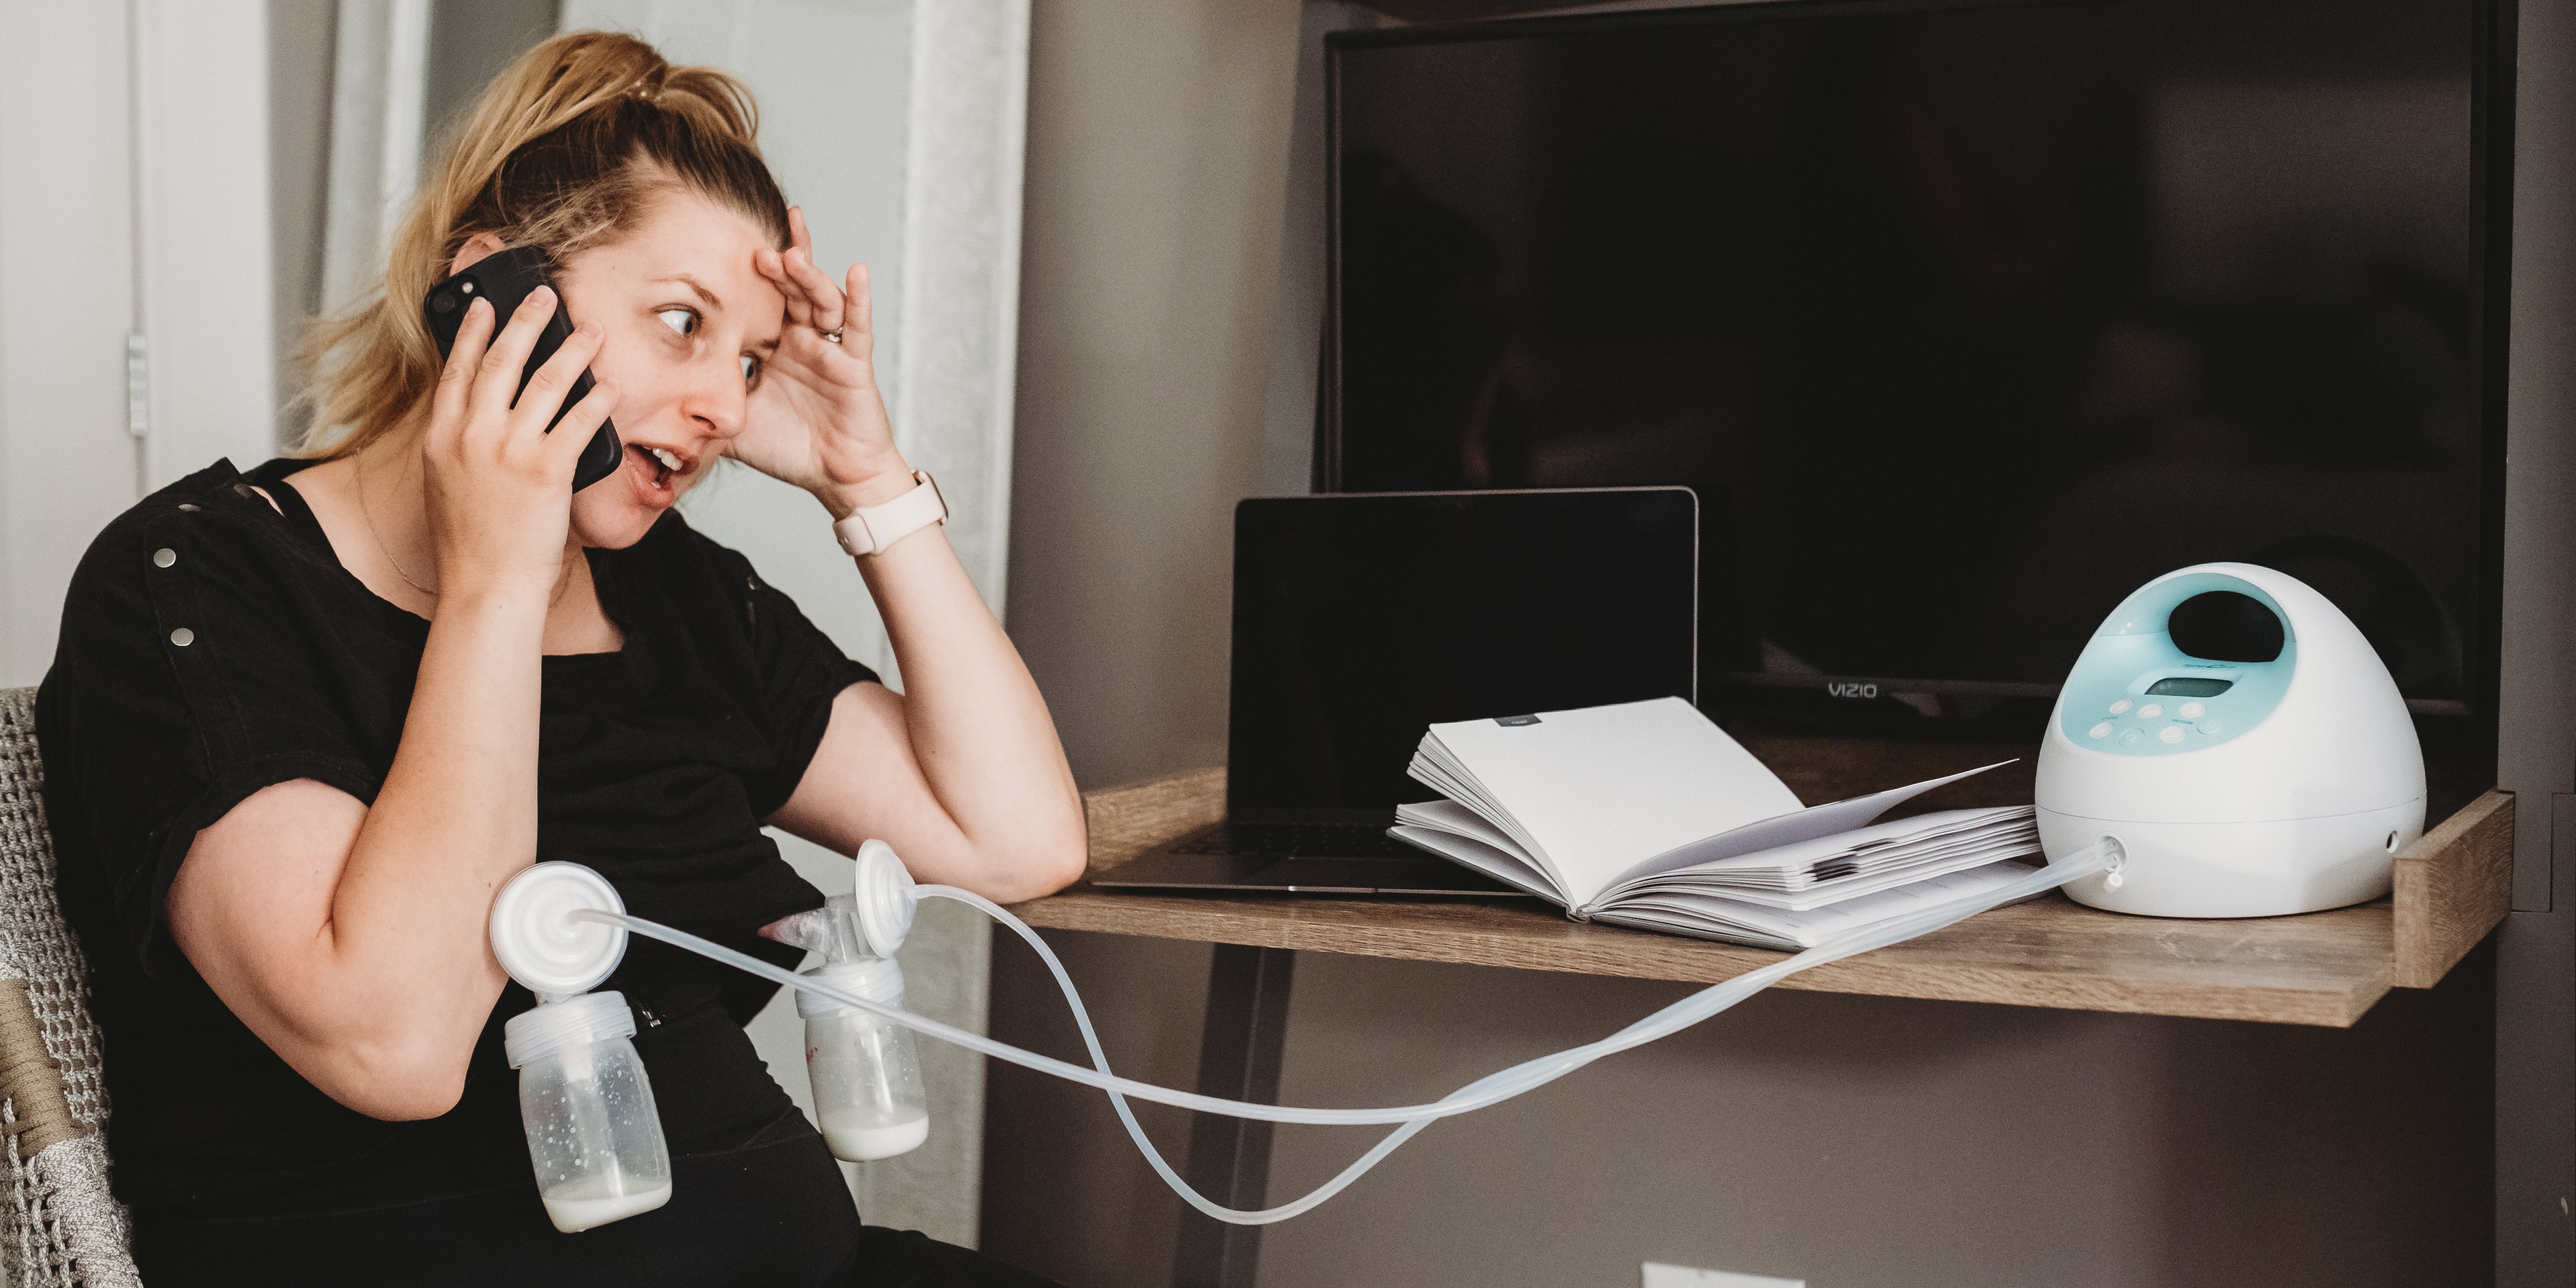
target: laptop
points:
(1360, 620)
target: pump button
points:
(2150, 711)
(2119, 706)
(2209, 726)
(2190, 710)
(2102, 730)
(2170, 733)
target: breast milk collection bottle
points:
(865, 1071)
(592, 1130)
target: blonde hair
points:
(565, 151)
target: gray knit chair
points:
(59, 1225)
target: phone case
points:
(505, 279)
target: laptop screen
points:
(1360, 620)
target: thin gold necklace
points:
(358, 478)
(358, 475)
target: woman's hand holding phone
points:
(498, 486)
(817, 420)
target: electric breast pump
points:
(2230, 788)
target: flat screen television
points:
(1963, 319)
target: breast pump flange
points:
(2227, 788)
(542, 945)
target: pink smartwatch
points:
(869, 531)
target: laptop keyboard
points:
(1289, 840)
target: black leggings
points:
(773, 1213)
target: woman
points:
(304, 721)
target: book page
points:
(1713, 917)
(1451, 816)
(1875, 858)
(1493, 861)
(1783, 830)
(1600, 788)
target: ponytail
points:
(565, 151)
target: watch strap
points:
(870, 530)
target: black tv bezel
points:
(2491, 103)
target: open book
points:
(1645, 814)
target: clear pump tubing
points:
(1486, 1091)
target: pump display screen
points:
(2189, 686)
(1963, 318)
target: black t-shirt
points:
(212, 645)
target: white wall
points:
(1158, 139)
(66, 303)
(201, 142)
(133, 201)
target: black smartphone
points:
(505, 279)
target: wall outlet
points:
(1659, 1275)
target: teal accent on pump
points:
(2133, 693)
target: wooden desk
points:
(2325, 968)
